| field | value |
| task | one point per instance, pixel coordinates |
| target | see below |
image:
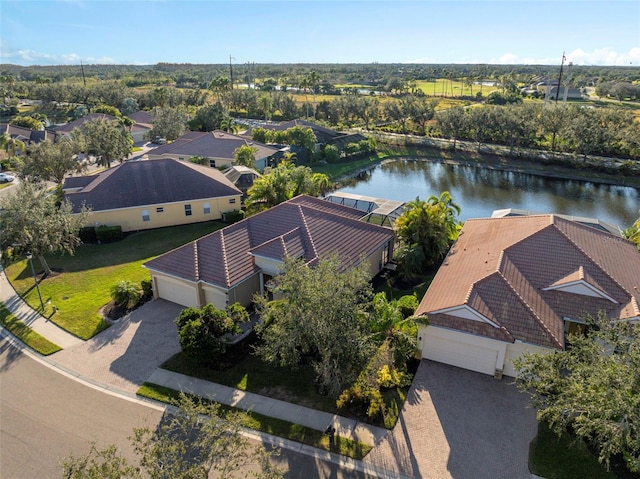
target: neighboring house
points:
(144, 124)
(324, 136)
(217, 147)
(26, 135)
(522, 283)
(67, 128)
(242, 177)
(140, 195)
(232, 264)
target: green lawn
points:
(240, 369)
(25, 334)
(563, 457)
(81, 283)
(275, 427)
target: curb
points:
(282, 443)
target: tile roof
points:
(150, 182)
(142, 118)
(211, 144)
(69, 127)
(304, 226)
(526, 273)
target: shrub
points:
(108, 234)
(88, 234)
(203, 331)
(125, 294)
(233, 216)
(331, 154)
(147, 289)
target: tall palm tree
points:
(304, 86)
(313, 80)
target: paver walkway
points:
(304, 416)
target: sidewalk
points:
(115, 358)
(32, 318)
(304, 416)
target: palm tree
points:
(10, 145)
(449, 210)
(229, 125)
(391, 325)
(313, 79)
(304, 85)
(265, 103)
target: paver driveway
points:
(459, 424)
(126, 354)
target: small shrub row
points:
(233, 216)
(100, 234)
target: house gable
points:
(526, 274)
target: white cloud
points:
(600, 56)
(33, 57)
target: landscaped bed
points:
(80, 285)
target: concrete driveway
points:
(126, 354)
(459, 424)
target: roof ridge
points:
(225, 260)
(602, 269)
(521, 299)
(308, 234)
(196, 261)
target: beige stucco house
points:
(522, 283)
(217, 147)
(232, 264)
(139, 195)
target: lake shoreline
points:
(499, 163)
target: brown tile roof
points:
(304, 226)
(212, 144)
(150, 182)
(517, 272)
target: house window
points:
(145, 215)
(212, 163)
(206, 208)
(187, 210)
(159, 209)
(232, 200)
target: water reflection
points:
(479, 191)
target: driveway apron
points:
(126, 354)
(459, 424)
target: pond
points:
(480, 191)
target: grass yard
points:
(25, 334)
(563, 457)
(276, 427)
(249, 373)
(81, 283)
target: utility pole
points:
(560, 78)
(231, 70)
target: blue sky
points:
(330, 31)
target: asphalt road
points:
(46, 416)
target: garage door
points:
(459, 351)
(176, 292)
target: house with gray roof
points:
(140, 195)
(217, 147)
(232, 264)
(523, 283)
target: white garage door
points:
(176, 292)
(459, 351)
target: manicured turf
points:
(276, 427)
(81, 283)
(563, 457)
(26, 334)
